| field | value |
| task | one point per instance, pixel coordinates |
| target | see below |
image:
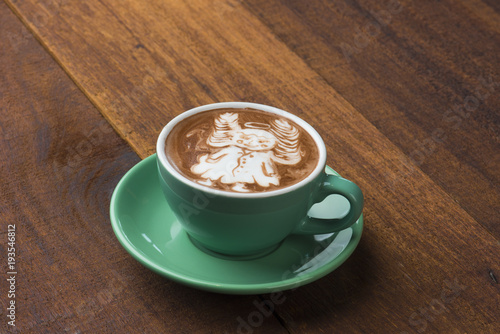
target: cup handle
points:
(333, 184)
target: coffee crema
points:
(241, 150)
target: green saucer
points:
(148, 230)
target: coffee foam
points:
(241, 150)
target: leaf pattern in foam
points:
(224, 125)
(288, 150)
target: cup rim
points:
(160, 149)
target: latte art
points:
(247, 155)
(241, 150)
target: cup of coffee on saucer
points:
(242, 177)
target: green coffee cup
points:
(243, 225)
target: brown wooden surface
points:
(60, 163)
(429, 256)
(415, 78)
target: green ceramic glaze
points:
(253, 224)
(148, 229)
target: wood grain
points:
(426, 74)
(60, 163)
(424, 264)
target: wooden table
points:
(404, 93)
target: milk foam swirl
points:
(241, 150)
(247, 155)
